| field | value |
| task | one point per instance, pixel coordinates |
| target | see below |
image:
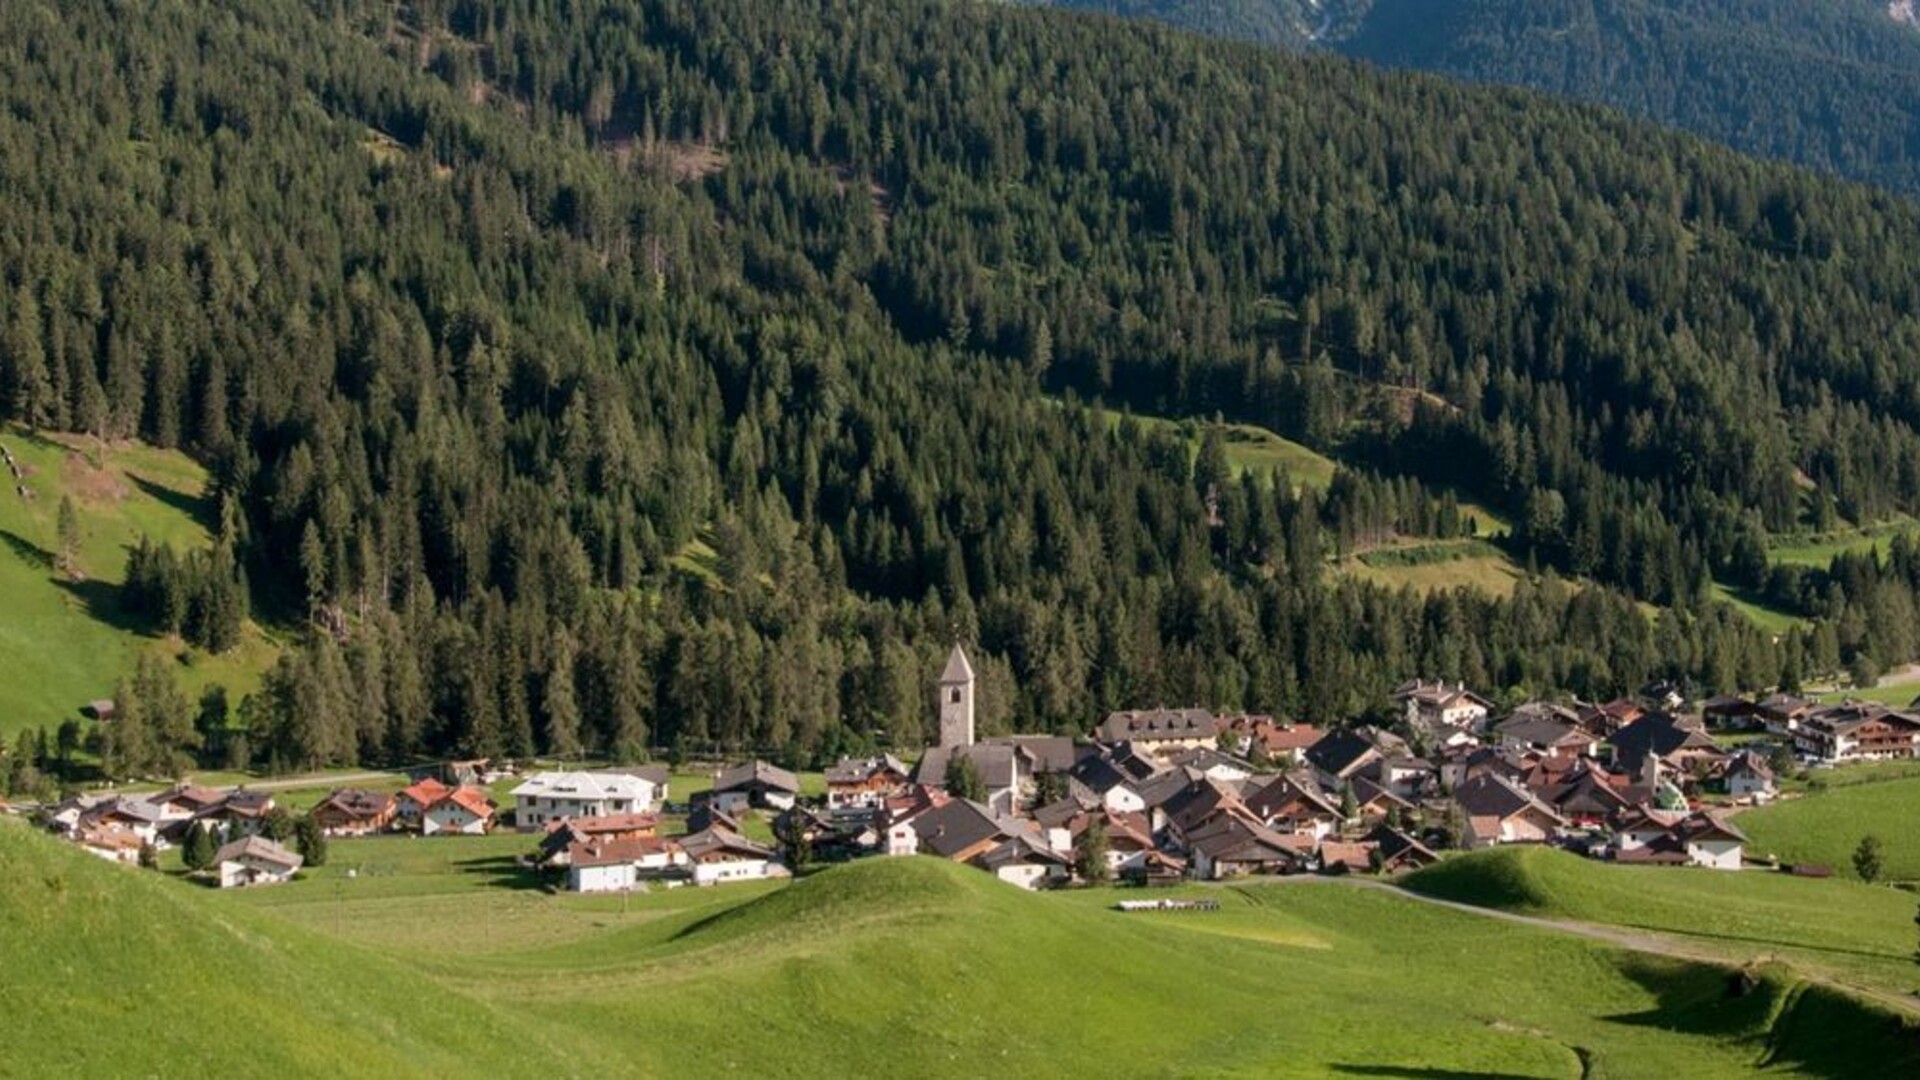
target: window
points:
(953, 695)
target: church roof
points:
(958, 670)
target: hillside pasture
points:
(1854, 933)
(1826, 825)
(66, 640)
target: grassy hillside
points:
(917, 967)
(1826, 826)
(1853, 932)
(66, 642)
(119, 973)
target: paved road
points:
(1643, 941)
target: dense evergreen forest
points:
(1831, 84)
(690, 373)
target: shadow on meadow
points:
(1350, 1069)
(503, 872)
(197, 507)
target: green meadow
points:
(1858, 934)
(67, 642)
(1825, 827)
(907, 967)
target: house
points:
(1115, 787)
(1407, 777)
(1748, 776)
(1546, 729)
(606, 864)
(866, 783)
(755, 784)
(1730, 712)
(1699, 839)
(465, 811)
(1375, 802)
(1232, 846)
(1213, 763)
(111, 841)
(1023, 861)
(1437, 705)
(1586, 795)
(1396, 852)
(1501, 811)
(546, 797)
(1162, 732)
(1261, 736)
(557, 845)
(67, 815)
(1781, 713)
(255, 860)
(997, 764)
(1341, 756)
(1346, 856)
(1676, 742)
(1130, 847)
(353, 812)
(1294, 804)
(716, 855)
(242, 813)
(959, 830)
(184, 801)
(410, 806)
(1858, 731)
(136, 815)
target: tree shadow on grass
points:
(1699, 999)
(1350, 1069)
(503, 872)
(29, 552)
(197, 507)
(1776, 943)
(102, 602)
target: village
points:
(1155, 796)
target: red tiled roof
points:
(471, 799)
(426, 792)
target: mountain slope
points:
(487, 315)
(1831, 84)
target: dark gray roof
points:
(259, 847)
(1158, 724)
(994, 760)
(1492, 795)
(1339, 752)
(716, 838)
(1045, 753)
(960, 824)
(757, 774)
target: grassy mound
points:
(901, 966)
(115, 972)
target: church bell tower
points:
(956, 700)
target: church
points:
(1008, 765)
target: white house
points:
(717, 854)
(465, 811)
(1750, 777)
(1714, 844)
(618, 865)
(549, 796)
(255, 860)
